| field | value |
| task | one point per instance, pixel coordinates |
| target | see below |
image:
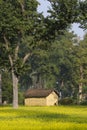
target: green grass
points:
(44, 118)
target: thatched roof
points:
(37, 93)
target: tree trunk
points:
(14, 77)
(80, 84)
(80, 92)
(15, 90)
(0, 90)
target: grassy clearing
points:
(44, 118)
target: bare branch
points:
(16, 51)
(22, 6)
(6, 42)
(7, 47)
(26, 58)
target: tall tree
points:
(61, 56)
(80, 65)
(61, 15)
(18, 26)
(83, 16)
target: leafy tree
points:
(83, 16)
(39, 64)
(80, 64)
(61, 15)
(61, 56)
(18, 26)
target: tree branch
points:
(22, 6)
(26, 58)
(16, 51)
(7, 47)
(6, 42)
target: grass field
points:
(44, 118)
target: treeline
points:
(40, 52)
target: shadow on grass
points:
(40, 114)
(43, 116)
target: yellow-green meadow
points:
(44, 118)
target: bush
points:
(21, 98)
(83, 102)
(66, 101)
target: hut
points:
(41, 97)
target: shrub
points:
(21, 98)
(66, 101)
(83, 102)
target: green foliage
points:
(61, 56)
(21, 98)
(64, 11)
(80, 56)
(84, 103)
(66, 101)
(6, 87)
(84, 89)
(61, 15)
(18, 27)
(83, 16)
